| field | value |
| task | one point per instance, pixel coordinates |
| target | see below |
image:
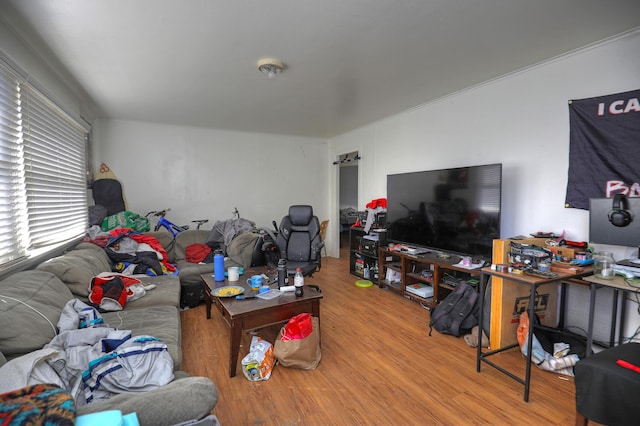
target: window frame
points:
(43, 174)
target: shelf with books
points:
(426, 277)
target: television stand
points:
(410, 274)
(416, 250)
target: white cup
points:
(233, 273)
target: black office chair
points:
(299, 240)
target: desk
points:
(251, 314)
(618, 284)
(533, 283)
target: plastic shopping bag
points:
(298, 327)
(258, 364)
(126, 219)
(303, 352)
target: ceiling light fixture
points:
(270, 67)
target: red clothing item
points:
(197, 252)
(378, 202)
(142, 238)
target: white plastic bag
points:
(258, 364)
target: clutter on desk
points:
(556, 256)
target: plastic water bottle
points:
(298, 282)
(218, 267)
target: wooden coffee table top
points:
(236, 307)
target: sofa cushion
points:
(167, 292)
(167, 241)
(244, 251)
(162, 322)
(76, 267)
(186, 238)
(31, 304)
(180, 401)
(190, 272)
(93, 253)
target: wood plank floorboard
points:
(379, 367)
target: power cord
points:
(55, 330)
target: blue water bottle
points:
(218, 267)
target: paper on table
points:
(472, 266)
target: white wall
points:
(56, 84)
(204, 173)
(520, 120)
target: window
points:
(42, 172)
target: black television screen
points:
(454, 210)
(602, 231)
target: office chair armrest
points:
(316, 248)
(316, 251)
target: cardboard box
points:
(509, 299)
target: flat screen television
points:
(452, 210)
(602, 231)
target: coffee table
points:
(251, 314)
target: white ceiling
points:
(349, 62)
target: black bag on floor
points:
(458, 313)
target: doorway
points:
(348, 178)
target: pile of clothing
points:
(132, 252)
(91, 360)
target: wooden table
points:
(251, 314)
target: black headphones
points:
(619, 214)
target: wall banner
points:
(604, 148)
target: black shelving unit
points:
(362, 254)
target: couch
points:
(32, 301)
(245, 250)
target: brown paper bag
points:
(302, 353)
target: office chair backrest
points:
(299, 239)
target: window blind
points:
(42, 171)
(54, 158)
(13, 235)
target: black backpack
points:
(457, 314)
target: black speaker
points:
(619, 214)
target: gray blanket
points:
(224, 231)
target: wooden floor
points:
(379, 367)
